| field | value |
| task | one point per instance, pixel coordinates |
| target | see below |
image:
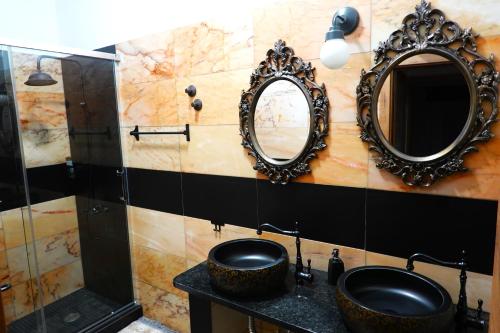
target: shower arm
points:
(82, 84)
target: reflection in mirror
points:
(423, 105)
(281, 120)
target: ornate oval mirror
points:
(429, 98)
(284, 115)
(281, 121)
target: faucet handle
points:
(479, 308)
(309, 266)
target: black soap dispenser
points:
(335, 267)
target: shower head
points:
(39, 78)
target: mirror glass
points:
(423, 105)
(281, 120)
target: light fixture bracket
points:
(344, 22)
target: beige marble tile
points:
(25, 63)
(199, 49)
(158, 269)
(25, 298)
(216, 150)
(155, 152)
(13, 227)
(220, 94)
(8, 306)
(49, 218)
(490, 45)
(160, 231)
(341, 86)
(45, 147)
(271, 23)
(148, 104)
(41, 110)
(62, 281)
(238, 41)
(4, 268)
(478, 285)
(481, 15)
(146, 59)
(343, 162)
(52, 252)
(167, 308)
(55, 284)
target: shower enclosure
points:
(64, 243)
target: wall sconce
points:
(335, 52)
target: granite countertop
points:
(310, 308)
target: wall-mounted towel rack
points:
(136, 133)
(73, 132)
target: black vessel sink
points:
(248, 267)
(376, 299)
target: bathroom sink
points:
(375, 299)
(248, 267)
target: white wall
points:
(90, 24)
(29, 21)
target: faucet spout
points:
(300, 273)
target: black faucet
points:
(301, 275)
(461, 316)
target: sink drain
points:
(73, 316)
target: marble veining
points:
(45, 147)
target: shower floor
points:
(69, 314)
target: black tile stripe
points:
(397, 223)
(49, 182)
(331, 214)
(157, 190)
(401, 224)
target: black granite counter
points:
(310, 308)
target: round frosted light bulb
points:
(334, 53)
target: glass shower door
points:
(71, 146)
(19, 279)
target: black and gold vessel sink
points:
(376, 299)
(248, 267)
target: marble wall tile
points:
(9, 310)
(156, 230)
(220, 93)
(238, 42)
(55, 284)
(41, 110)
(62, 281)
(45, 147)
(216, 150)
(52, 252)
(158, 269)
(146, 59)
(481, 15)
(13, 227)
(156, 152)
(148, 104)
(271, 23)
(169, 309)
(25, 63)
(344, 162)
(490, 45)
(4, 268)
(24, 298)
(199, 49)
(49, 218)
(478, 285)
(341, 86)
